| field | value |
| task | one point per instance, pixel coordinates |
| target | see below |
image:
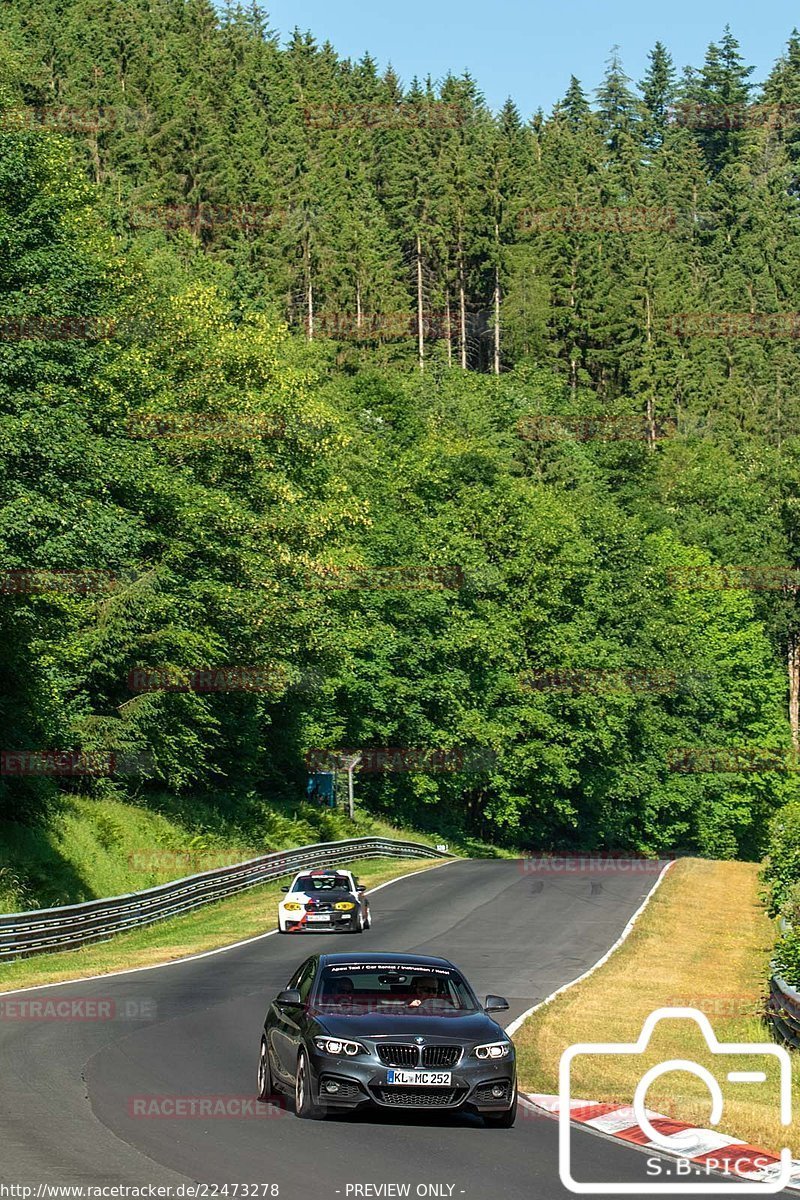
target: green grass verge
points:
(232, 920)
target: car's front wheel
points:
(304, 1104)
(265, 1089)
(368, 919)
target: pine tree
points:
(721, 92)
(658, 94)
(617, 107)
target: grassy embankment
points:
(89, 848)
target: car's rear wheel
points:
(503, 1120)
(265, 1087)
(304, 1104)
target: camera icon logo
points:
(686, 1144)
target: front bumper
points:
(337, 921)
(363, 1080)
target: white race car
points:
(326, 899)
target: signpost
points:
(350, 763)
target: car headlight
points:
(290, 906)
(330, 1045)
(493, 1050)
(344, 905)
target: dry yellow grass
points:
(703, 942)
(243, 916)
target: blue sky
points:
(529, 48)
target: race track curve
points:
(191, 1029)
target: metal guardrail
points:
(47, 929)
(784, 1010)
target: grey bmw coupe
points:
(393, 1030)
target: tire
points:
(503, 1120)
(368, 919)
(266, 1089)
(304, 1106)
(360, 926)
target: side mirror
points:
(495, 1004)
(284, 889)
(361, 888)
(288, 996)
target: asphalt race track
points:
(192, 1030)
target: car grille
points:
(440, 1056)
(398, 1055)
(408, 1097)
(483, 1094)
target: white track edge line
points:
(174, 962)
(514, 1026)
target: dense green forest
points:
(306, 323)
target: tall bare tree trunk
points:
(448, 328)
(793, 664)
(573, 362)
(358, 306)
(496, 365)
(651, 400)
(310, 311)
(462, 308)
(420, 331)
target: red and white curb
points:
(710, 1149)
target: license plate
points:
(420, 1078)
(318, 917)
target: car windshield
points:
(321, 883)
(390, 988)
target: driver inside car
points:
(424, 989)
